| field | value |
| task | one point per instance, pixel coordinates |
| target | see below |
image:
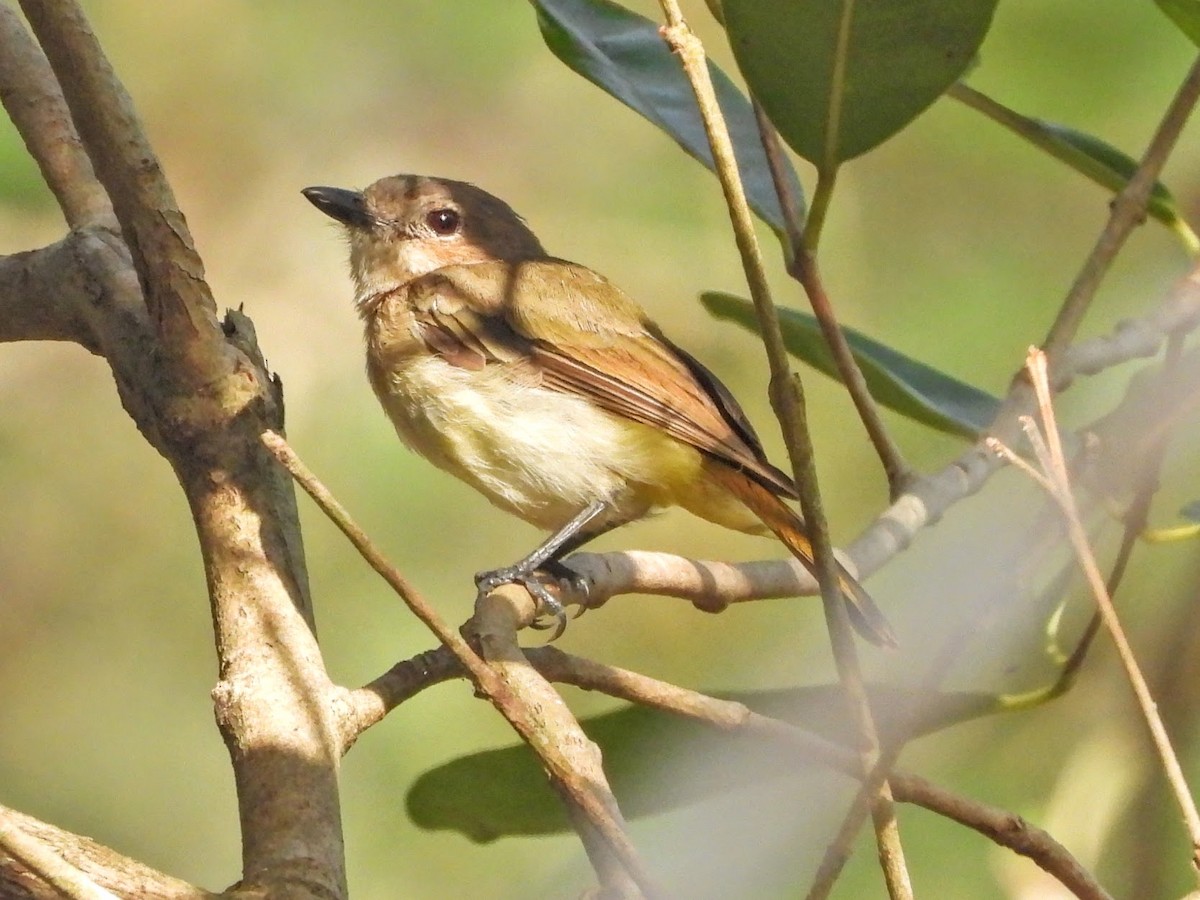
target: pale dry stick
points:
(43, 861)
(592, 798)
(1135, 519)
(1055, 480)
(787, 399)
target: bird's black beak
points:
(348, 207)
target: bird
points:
(545, 387)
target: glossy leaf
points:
(624, 54)
(898, 382)
(839, 77)
(503, 792)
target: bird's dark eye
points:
(443, 221)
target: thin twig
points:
(1134, 522)
(730, 717)
(1040, 134)
(412, 598)
(1006, 829)
(898, 473)
(789, 204)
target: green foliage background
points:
(953, 243)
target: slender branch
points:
(1041, 135)
(727, 716)
(777, 165)
(476, 668)
(932, 496)
(1134, 522)
(1006, 829)
(899, 475)
(70, 865)
(47, 864)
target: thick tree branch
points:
(45, 295)
(168, 266)
(200, 393)
(35, 104)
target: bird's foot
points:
(539, 583)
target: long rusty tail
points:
(868, 620)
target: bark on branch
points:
(200, 393)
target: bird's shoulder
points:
(540, 299)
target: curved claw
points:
(548, 604)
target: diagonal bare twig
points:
(589, 799)
(1004, 828)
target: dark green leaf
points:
(900, 383)
(1186, 16)
(623, 53)
(838, 77)
(503, 792)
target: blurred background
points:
(953, 243)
